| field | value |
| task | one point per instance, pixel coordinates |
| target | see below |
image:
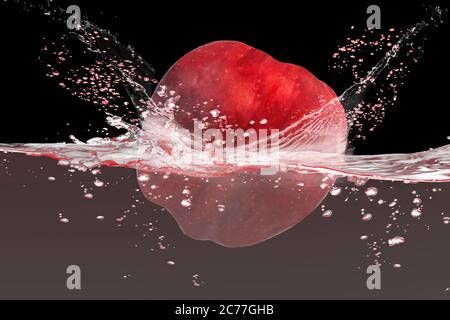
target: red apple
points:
(228, 84)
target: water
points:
(427, 166)
(157, 146)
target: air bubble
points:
(371, 192)
(327, 213)
(186, 203)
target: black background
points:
(313, 260)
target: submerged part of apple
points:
(228, 84)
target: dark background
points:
(316, 259)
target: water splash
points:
(142, 148)
(428, 166)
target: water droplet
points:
(64, 163)
(186, 203)
(324, 185)
(64, 220)
(195, 280)
(364, 237)
(100, 217)
(88, 195)
(397, 265)
(367, 217)
(98, 183)
(161, 91)
(221, 207)
(417, 201)
(327, 213)
(171, 263)
(416, 212)
(215, 113)
(161, 246)
(396, 241)
(143, 177)
(371, 192)
(263, 121)
(335, 191)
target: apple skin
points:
(249, 89)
